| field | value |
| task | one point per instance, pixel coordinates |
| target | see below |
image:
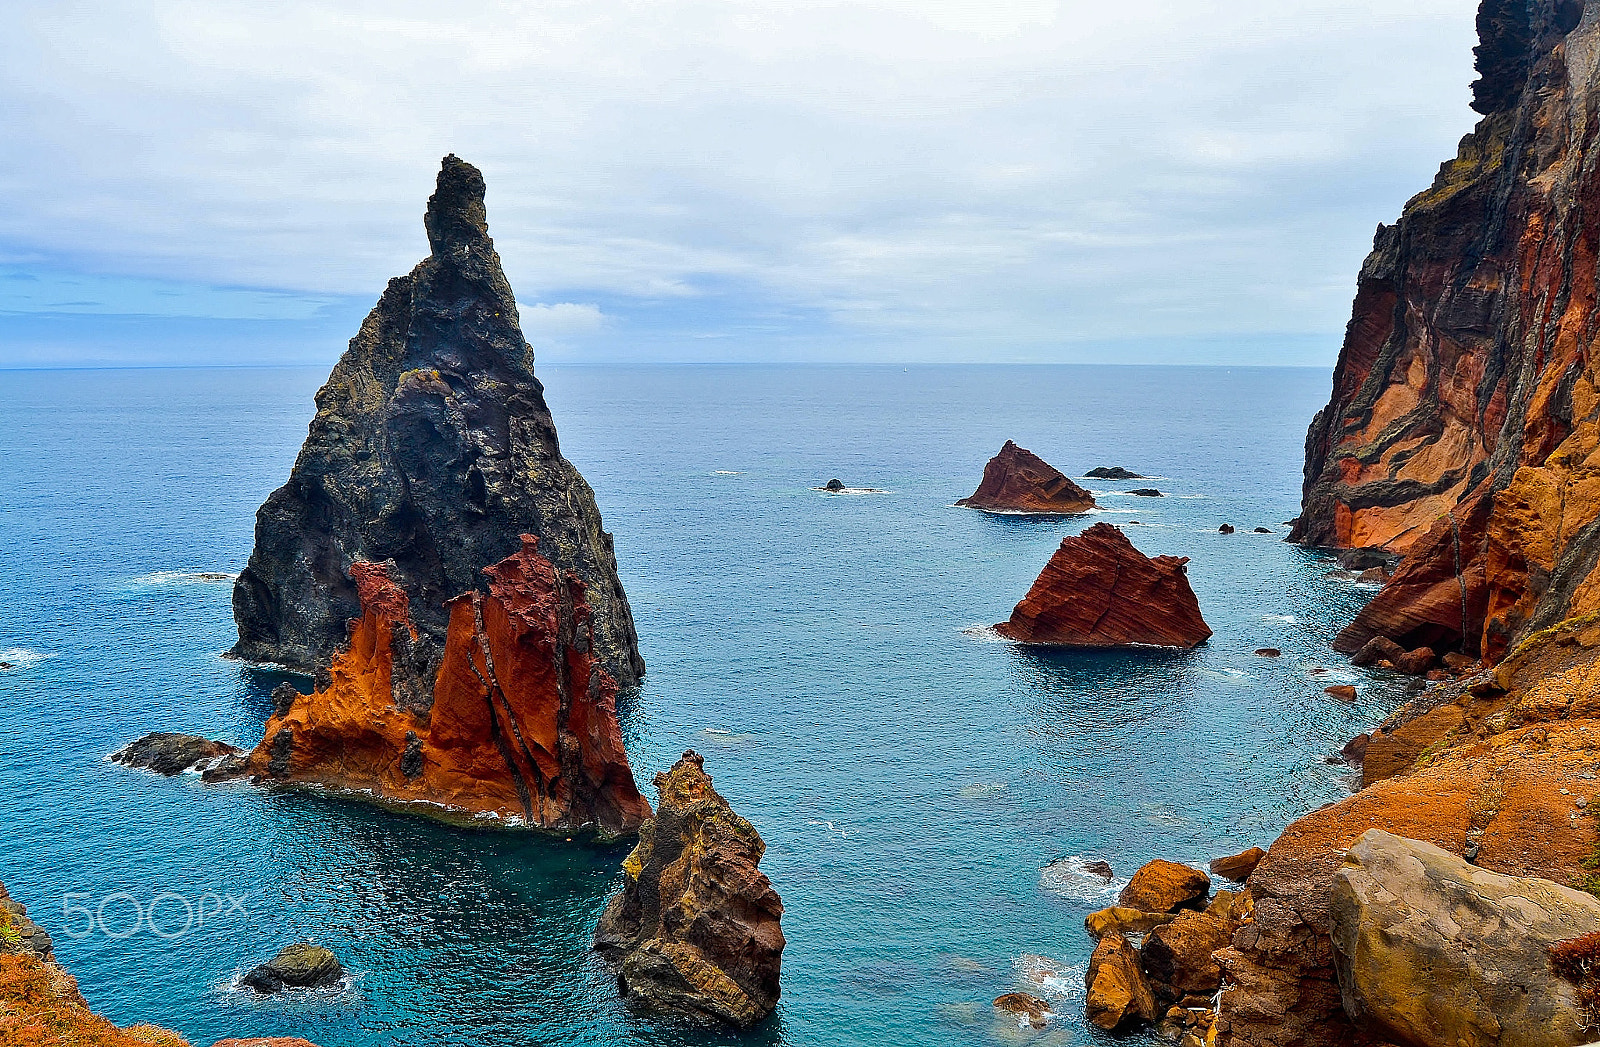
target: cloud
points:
(970, 178)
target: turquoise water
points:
(912, 777)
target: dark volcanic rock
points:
(1225, 529)
(1019, 481)
(1147, 492)
(432, 447)
(171, 754)
(695, 928)
(26, 937)
(299, 966)
(1099, 591)
(1115, 472)
(835, 484)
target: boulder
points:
(1269, 652)
(432, 447)
(1415, 663)
(1032, 1010)
(1378, 649)
(1117, 995)
(695, 928)
(1355, 750)
(170, 754)
(836, 485)
(1263, 530)
(1433, 952)
(1342, 691)
(1019, 481)
(1115, 472)
(1147, 492)
(1099, 591)
(1177, 957)
(1238, 867)
(1161, 886)
(1225, 529)
(1373, 574)
(1460, 663)
(1123, 920)
(298, 966)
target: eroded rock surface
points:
(1433, 952)
(433, 449)
(519, 721)
(1018, 481)
(1099, 591)
(695, 928)
(169, 754)
(298, 966)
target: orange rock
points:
(1161, 886)
(1117, 994)
(1238, 867)
(1177, 957)
(519, 723)
(1019, 481)
(1342, 691)
(40, 1006)
(1099, 591)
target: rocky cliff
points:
(432, 448)
(695, 928)
(1099, 591)
(1463, 426)
(518, 722)
(1018, 481)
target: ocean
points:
(922, 788)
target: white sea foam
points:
(726, 472)
(1069, 877)
(23, 657)
(983, 790)
(1291, 619)
(854, 490)
(846, 833)
(984, 633)
(184, 578)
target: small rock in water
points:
(1342, 691)
(833, 485)
(1115, 472)
(170, 754)
(298, 966)
(1035, 1011)
(1263, 530)
(1225, 529)
(1100, 869)
(1269, 652)
(1148, 492)
(5, 665)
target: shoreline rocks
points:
(1018, 481)
(432, 448)
(298, 966)
(1099, 591)
(171, 754)
(696, 927)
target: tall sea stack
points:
(1462, 431)
(432, 448)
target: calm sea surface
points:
(913, 778)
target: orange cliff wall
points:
(1464, 424)
(519, 721)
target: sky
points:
(1173, 181)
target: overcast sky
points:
(895, 180)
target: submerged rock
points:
(696, 926)
(1115, 472)
(1031, 1009)
(1017, 480)
(170, 754)
(519, 721)
(1099, 591)
(1269, 652)
(1434, 952)
(298, 966)
(432, 448)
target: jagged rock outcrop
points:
(1464, 424)
(298, 966)
(1018, 481)
(518, 722)
(1099, 591)
(1433, 952)
(695, 928)
(432, 448)
(166, 753)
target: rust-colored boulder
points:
(1161, 886)
(1238, 867)
(1416, 663)
(1378, 649)
(1018, 481)
(1123, 920)
(1342, 691)
(695, 928)
(519, 723)
(1177, 957)
(1117, 994)
(1099, 591)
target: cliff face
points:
(1465, 416)
(519, 721)
(433, 448)
(695, 928)
(1099, 591)
(1018, 481)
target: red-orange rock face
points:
(519, 722)
(1018, 481)
(1464, 426)
(1099, 591)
